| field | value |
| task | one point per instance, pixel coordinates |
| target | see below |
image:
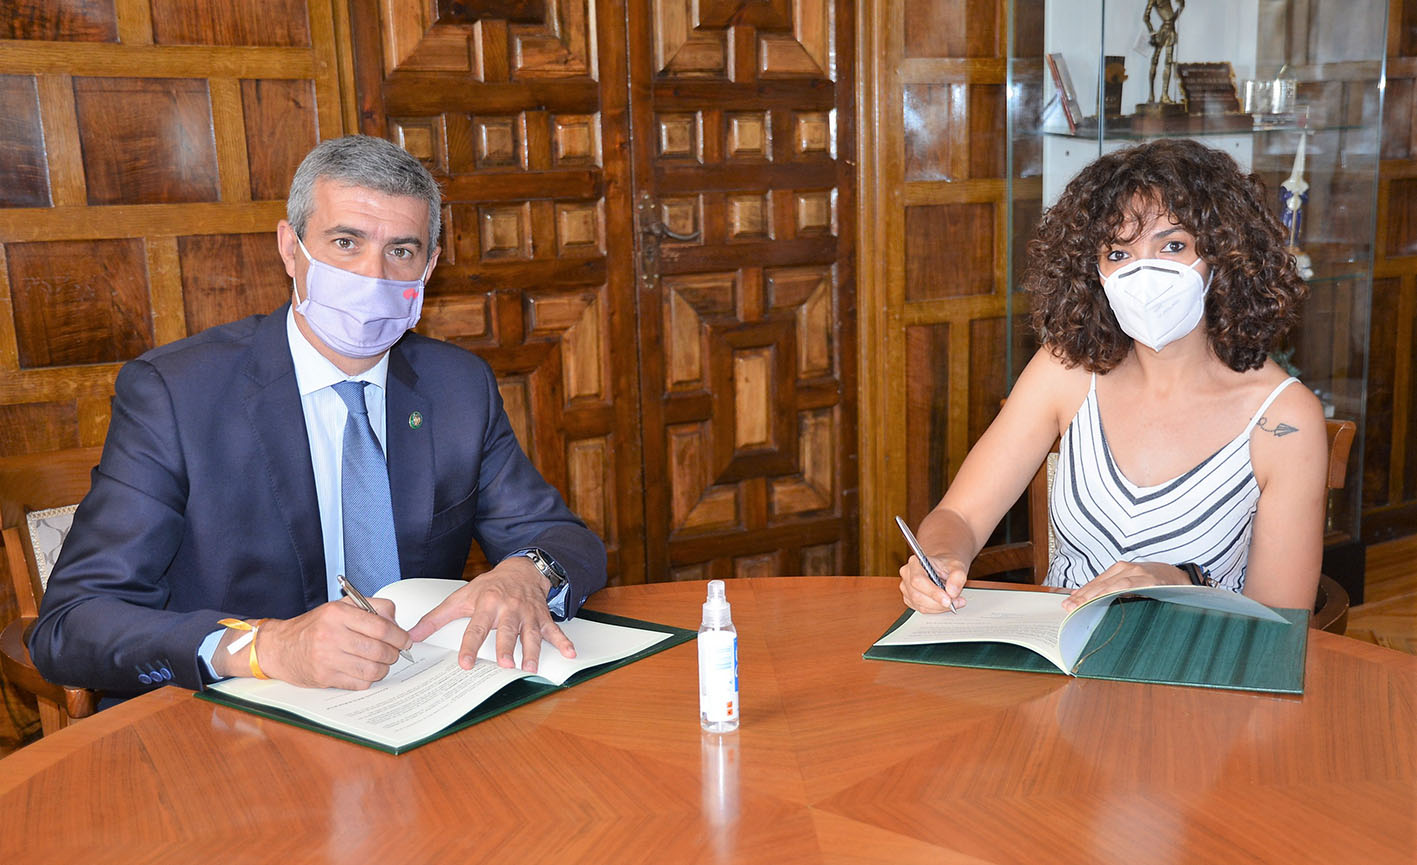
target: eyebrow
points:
(337, 230)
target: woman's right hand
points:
(922, 594)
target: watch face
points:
(547, 569)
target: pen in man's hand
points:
(367, 607)
(925, 562)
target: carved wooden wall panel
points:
(224, 276)
(747, 300)
(146, 140)
(78, 302)
(934, 237)
(223, 22)
(23, 179)
(506, 103)
(148, 145)
(60, 21)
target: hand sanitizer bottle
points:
(718, 664)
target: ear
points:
(433, 262)
(285, 244)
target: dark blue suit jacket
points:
(203, 505)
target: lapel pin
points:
(415, 420)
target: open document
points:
(431, 696)
(1190, 635)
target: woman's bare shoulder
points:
(1294, 405)
(1049, 385)
(1291, 430)
(1051, 368)
(1295, 396)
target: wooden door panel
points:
(747, 368)
(505, 103)
(490, 41)
(934, 235)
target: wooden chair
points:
(31, 483)
(1331, 605)
(1331, 609)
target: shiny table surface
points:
(839, 760)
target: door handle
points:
(651, 226)
(651, 232)
(660, 230)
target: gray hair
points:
(371, 163)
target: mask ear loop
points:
(300, 243)
(294, 286)
(1209, 273)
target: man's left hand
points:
(511, 598)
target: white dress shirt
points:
(325, 416)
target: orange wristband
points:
(239, 625)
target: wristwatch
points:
(1199, 575)
(554, 574)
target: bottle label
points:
(718, 675)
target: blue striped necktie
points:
(371, 554)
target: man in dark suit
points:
(216, 525)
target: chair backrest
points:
(36, 491)
(1340, 440)
(1035, 553)
(1331, 611)
(1331, 608)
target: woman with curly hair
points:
(1160, 283)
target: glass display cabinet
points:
(1292, 89)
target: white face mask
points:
(1156, 301)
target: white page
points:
(419, 698)
(1028, 619)
(595, 642)
(1036, 620)
(413, 702)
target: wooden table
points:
(839, 760)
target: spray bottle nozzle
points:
(716, 608)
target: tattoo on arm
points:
(1280, 429)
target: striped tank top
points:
(1099, 517)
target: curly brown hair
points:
(1255, 289)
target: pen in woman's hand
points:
(367, 607)
(925, 562)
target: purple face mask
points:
(358, 316)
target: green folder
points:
(516, 694)
(1145, 640)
